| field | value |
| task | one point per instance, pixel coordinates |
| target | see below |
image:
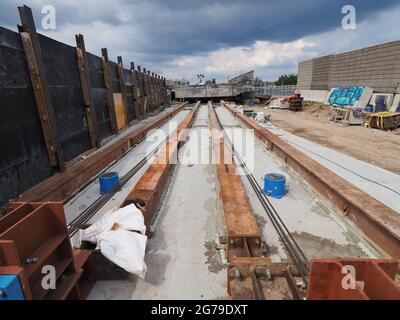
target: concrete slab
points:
(182, 259)
(318, 229)
(314, 95)
(75, 206)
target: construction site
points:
(117, 185)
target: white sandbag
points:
(127, 218)
(260, 117)
(126, 249)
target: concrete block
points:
(350, 96)
(314, 95)
(396, 102)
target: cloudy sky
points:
(221, 38)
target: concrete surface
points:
(181, 258)
(75, 206)
(318, 229)
(314, 95)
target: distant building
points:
(242, 78)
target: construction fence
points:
(58, 101)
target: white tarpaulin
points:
(126, 249)
(260, 117)
(119, 235)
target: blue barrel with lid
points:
(108, 181)
(275, 185)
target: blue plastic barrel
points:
(108, 181)
(275, 185)
(369, 108)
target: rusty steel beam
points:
(243, 234)
(62, 186)
(380, 224)
(33, 54)
(109, 91)
(239, 218)
(135, 94)
(86, 89)
(377, 276)
(122, 88)
(153, 183)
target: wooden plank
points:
(107, 83)
(119, 111)
(86, 89)
(122, 88)
(44, 105)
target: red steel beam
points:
(151, 186)
(327, 277)
(380, 223)
(239, 218)
(61, 186)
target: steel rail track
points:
(297, 255)
(90, 211)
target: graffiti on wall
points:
(347, 96)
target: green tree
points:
(286, 80)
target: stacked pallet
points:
(296, 103)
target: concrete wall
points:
(314, 95)
(321, 69)
(304, 78)
(377, 67)
(205, 91)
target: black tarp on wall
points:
(129, 98)
(23, 155)
(63, 80)
(99, 95)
